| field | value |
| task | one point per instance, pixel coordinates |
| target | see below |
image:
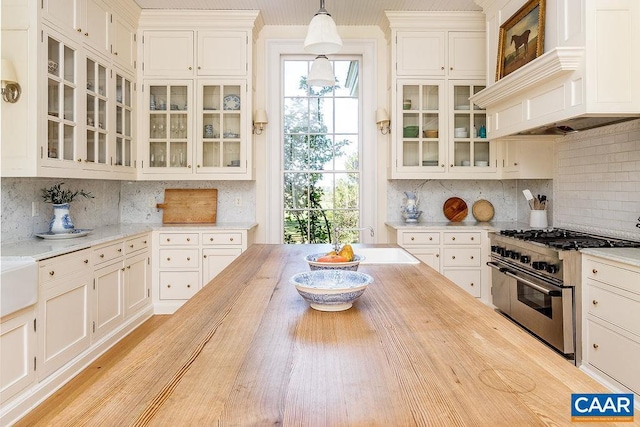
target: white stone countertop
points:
(38, 248)
(490, 226)
(629, 256)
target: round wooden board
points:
(455, 209)
(482, 210)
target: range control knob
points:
(508, 253)
(525, 259)
(552, 268)
(494, 248)
(539, 265)
(515, 255)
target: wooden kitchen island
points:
(413, 350)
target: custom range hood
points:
(587, 77)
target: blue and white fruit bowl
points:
(331, 290)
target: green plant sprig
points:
(58, 195)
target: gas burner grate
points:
(568, 239)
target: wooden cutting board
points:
(455, 209)
(189, 206)
(483, 210)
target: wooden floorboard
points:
(56, 404)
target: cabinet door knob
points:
(168, 239)
(199, 67)
(145, 242)
(86, 34)
(204, 256)
(442, 68)
(472, 238)
(413, 238)
(471, 283)
(120, 250)
(115, 53)
(595, 345)
(168, 259)
(79, 159)
(101, 255)
(515, 163)
(594, 271)
(471, 257)
(122, 269)
(128, 267)
(130, 246)
(188, 286)
(191, 68)
(594, 302)
(188, 258)
(168, 286)
(188, 239)
(79, 30)
(437, 255)
(86, 261)
(51, 273)
(451, 165)
(450, 68)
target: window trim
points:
(275, 49)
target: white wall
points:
(597, 180)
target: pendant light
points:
(321, 73)
(322, 35)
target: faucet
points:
(337, 230)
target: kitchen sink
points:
(386, 256)
(18, 284)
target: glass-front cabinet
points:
(470, 150)
(124, 148)
(62, 86)
(422, 131)
(220, 127)
(96, 113)
(169, 133)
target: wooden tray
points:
(455, 209)
(483, 210)
(189, 206)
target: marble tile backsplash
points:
(506, 197)
(18, 194)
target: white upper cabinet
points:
(467, 56)
(420, 53)
(222, 53)
(168, 54)
(124, 47)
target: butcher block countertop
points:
(413, 350)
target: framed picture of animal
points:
(521, 38)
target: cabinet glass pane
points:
(53, 140)
(231, 125)
(430, 153)
(158, 126)
(178, 151)
(231, 153)
(68, 142)
(127, 123)
(211, 126)
(178, 126)
(119, 151)
(178, 98)
(53, 102)
(410, 97)
(102, 148)
(410, 153)
(211, 153)
(461, 126)
(53, 53)
(211, 98)
(91, 146)
(128, 152)
(430, 97)
(69, 65)
(102, 113)
(158, 154)
(68, 99)
(430, 125)
(481, 152)
(461, 96)
(119, 120)
(477, 89)
(91, 110)
(462, 150)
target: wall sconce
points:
(10, 88)
(382, 120)
(259, 121)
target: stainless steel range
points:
(536, 281)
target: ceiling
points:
(299, 12)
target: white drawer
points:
(420, 238)
(179, 239)
(617, 276)
(136, 244)
(469, 280)
(178, 284)
(64, 266)
(179, 258)
(230, 238)
(461, 257)
(614, 354)
(462, 238)
(617, 309)
(107, 253)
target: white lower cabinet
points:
(17, 352)
(458, 255)
(88, 300)
(63, 310)
(186, 261)
(611, 335)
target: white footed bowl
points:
(331, 290)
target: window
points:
(321, 153)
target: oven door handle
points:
(497, 267)
(550, 292)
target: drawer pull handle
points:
(211, 239)
(86, 261)
(231, 239)
(168, 239)
(168, 259)
(471, 283)
(437, 255)
(128, 267)
(594, 271)
(413, 238)
(188, 258)
(168, 286)
(430, 238)
(122, 268)
(120, 250)
(188, 286)
(188, 239)
(471, 257)
(453, 257)
(205, 256)
(594, 302)
(130, 246)
(453, 238)
(51, 273)
(145, 242)
(595, 345)
(472, 238)
(101, 255)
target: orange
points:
(332, 258)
